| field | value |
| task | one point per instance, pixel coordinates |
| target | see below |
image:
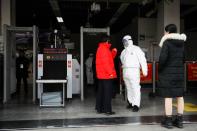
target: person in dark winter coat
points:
(22, 65)
(171, 74)
(106, 73)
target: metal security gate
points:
(9, 43)
(82, 31)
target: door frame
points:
(82, 31)
(7, 57)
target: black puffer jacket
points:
(22, 65)
(171, 66)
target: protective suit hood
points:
(127, 41)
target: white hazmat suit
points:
(89, 69)
(132, 59)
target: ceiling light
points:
(55, 31)
(95, 7)
(59, 19)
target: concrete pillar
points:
(168, 13)
(0, 18)
(7, 15)
(8, 11)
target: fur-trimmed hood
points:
(174, 36)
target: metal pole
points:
(35, 33)
(63, 93)
(81, 61)
(108, 31)
(55, 41)
(154, 68)
(120, 79)
(5, 83)
(185, 76)
(154, 73)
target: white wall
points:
(172, 13)
(168, 13)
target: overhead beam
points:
(192, 29)
(189, 11)
(115, 1)
(189, 2)
(116, 15)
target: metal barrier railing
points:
(190, 69)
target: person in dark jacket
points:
(105, 72)
(22, 65)
(171, 74)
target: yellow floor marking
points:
(189, 107)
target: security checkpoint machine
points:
(54, 77)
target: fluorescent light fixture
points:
(59, 19)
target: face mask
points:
(17, 54)
(125, 43)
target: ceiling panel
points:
(77, 13)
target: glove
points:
(145, 74)
(114, 52)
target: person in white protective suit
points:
(132, 59)
(89, 69)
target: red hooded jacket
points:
(105, 61)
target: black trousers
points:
(104, 95)
(19, 83)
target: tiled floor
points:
(187, 127)
(81, 113)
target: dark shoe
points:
(99, 112)
(178, 121)
(110, 113)
(135, 108)
(167, 122)
(129, 106)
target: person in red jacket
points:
(105, 72)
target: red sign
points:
(55, 50)
(148, 78)
(192, 71)
(39, 63)
(69, 64)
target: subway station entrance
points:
(59, 35)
